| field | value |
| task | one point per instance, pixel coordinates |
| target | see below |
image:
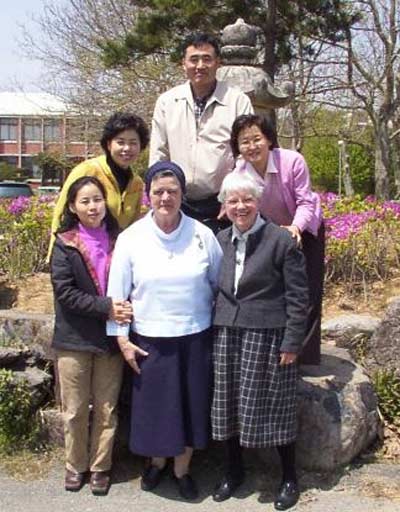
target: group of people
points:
(205, 296)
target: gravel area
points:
(366, 488)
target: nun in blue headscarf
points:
(167, 264)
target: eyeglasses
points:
(245, 144)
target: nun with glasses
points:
(260, 323)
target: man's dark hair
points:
(265, 125)
(199, 39)
(121, 121)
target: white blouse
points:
(170, 278)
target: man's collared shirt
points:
(201, 102)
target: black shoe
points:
(151, 477)
(227, 486)
(187, 487)
(288, 495)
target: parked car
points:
(48, 190)
(14, 189)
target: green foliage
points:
(322, 156)
(54, 166)
(7, 171)
(10, 172)
(323, 129)
(162, 24)
(387, 387)
(24, 234)
(142, 163)
(361, 169)
(18, 426)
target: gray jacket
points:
(272, 291)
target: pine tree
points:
(162, 25)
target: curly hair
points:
(121, 121)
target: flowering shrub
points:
(24, 234)
(363, 239)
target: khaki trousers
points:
(89, 378)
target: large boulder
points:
(30, 329)
(348, 326)
(337, 411)
(384, 353)
(25, 350)
(39, 384)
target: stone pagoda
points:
(243, 53)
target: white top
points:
(170, 278)
(240, 253)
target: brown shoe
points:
(100, 483)
(73, 481)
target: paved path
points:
(370, 488)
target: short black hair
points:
(265, 125)
(121, 121)
(70, 220)
(197, 39)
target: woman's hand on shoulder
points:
(295, 232)
(131, 352)
(222, 212)
(121, 311)
(287, 358)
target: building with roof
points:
(31, 123)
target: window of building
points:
(52, 130)
(32, 130)
(27, 163)
(12, 160)
(8, 129)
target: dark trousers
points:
(206, 211)
(314, 252)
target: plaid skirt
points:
(254, 397)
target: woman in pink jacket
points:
(289, 202)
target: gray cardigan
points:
(272, 291)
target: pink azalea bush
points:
(363, 239)
(24, 234)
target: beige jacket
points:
(204, 152)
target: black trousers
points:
(206, 211)
(314, 252)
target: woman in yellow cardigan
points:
(124, 136)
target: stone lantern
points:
(243, 53)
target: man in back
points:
(191, 126)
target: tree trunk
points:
(270, 38)
(382, 161)
(347, 181)
(395, 148)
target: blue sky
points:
(16, 70)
